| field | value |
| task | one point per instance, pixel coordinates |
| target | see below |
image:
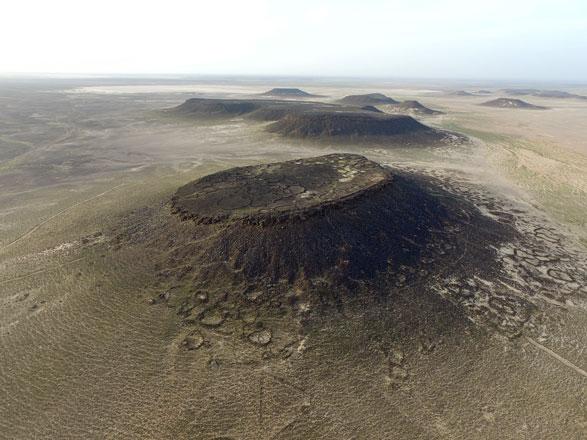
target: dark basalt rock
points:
(293, 240)
(512, 103)
(338, 217)
(272, 193)
(271, 113)
(276, 110)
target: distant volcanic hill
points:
(543, 93)
(512, 103)
(520, 92)
(203, 107)
(332, 124)
(461, 93)
(557, 94)
(347, 126)
(415, 107)
(322, 121)
(368, 99)
(281, 92)
(258, 109)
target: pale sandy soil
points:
(541, 152)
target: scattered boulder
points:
(261, 337)
(193, 340)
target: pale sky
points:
(492, 39)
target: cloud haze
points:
(538, 39)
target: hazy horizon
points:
(522, 41)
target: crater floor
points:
(295, 186)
